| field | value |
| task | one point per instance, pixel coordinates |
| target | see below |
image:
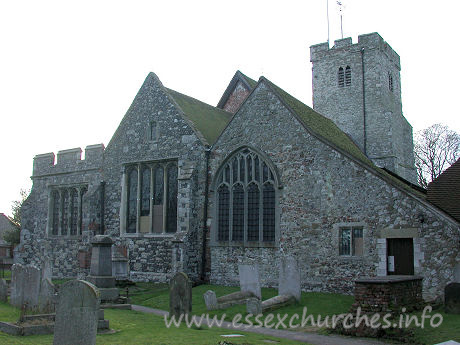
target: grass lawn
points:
(139, 328)
(157, 296)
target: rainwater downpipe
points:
(205, 216)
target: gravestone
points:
(452, 298)
(249, 279)
(289, 278)
(180, 295)
(47, 296)
(25, 286)
(101, 268)
(254, 306)
(77, 314)
(457, 273)
(210, 299)
(3, 291)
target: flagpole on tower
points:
(327, 10)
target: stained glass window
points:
(253, 212)
(56, 212)
(145, 192)
(251, 203)
(159, 186)
(132, 202)
(65, 212)
(74, 212)
(238, 213)
(171, 222)
(223, 212)
(269, 212)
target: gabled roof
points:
(328, 131)
(444, 191)
(238, 77)
(208, 120)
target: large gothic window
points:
(65, 212)
(246, 199)
(151, 198)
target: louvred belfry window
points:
(246, 199)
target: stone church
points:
(186, 186)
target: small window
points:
(341, 77)
(153, 131)
(351, 241)
(348, 76)
(390, 82)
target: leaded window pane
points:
(249, 160)
(159, 186)
(238, 213)
(74, 212)
(357, 241)
(56, 208)
(65, 212)
(223, 197)
(345, 241)
(242, 168)
(227, 174)
(269, 212)
(235, 169)
(132, 202)
(171, 218)
(145, 192)
(265, 172)
(256, 169)
(253, 212)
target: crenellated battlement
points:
(367, 41)
(68, 160)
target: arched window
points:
(341, 77)
(390, 82)
(246, 199)
(66, 210)
(347, 76)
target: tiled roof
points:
(208, 120)
(444, 191)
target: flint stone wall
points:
(323, 190)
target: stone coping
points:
(387, 279)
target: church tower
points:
(358, 86)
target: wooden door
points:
(402, 252)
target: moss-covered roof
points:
(208, 120)
(327, 129)
(252, 83)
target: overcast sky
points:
(69, 70)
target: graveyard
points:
(134, 327)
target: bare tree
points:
(13, 236)
(436, 148)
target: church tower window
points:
(341, 77)
(348, 76)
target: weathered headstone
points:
(180, 295)
(25, 286)
(289, 278)
(249, 279)
(457, 273)
(452, 298)
(77, 314)
(47, 296)
(101, 268)
(210, 299)
(254, 306)
(3, 291)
